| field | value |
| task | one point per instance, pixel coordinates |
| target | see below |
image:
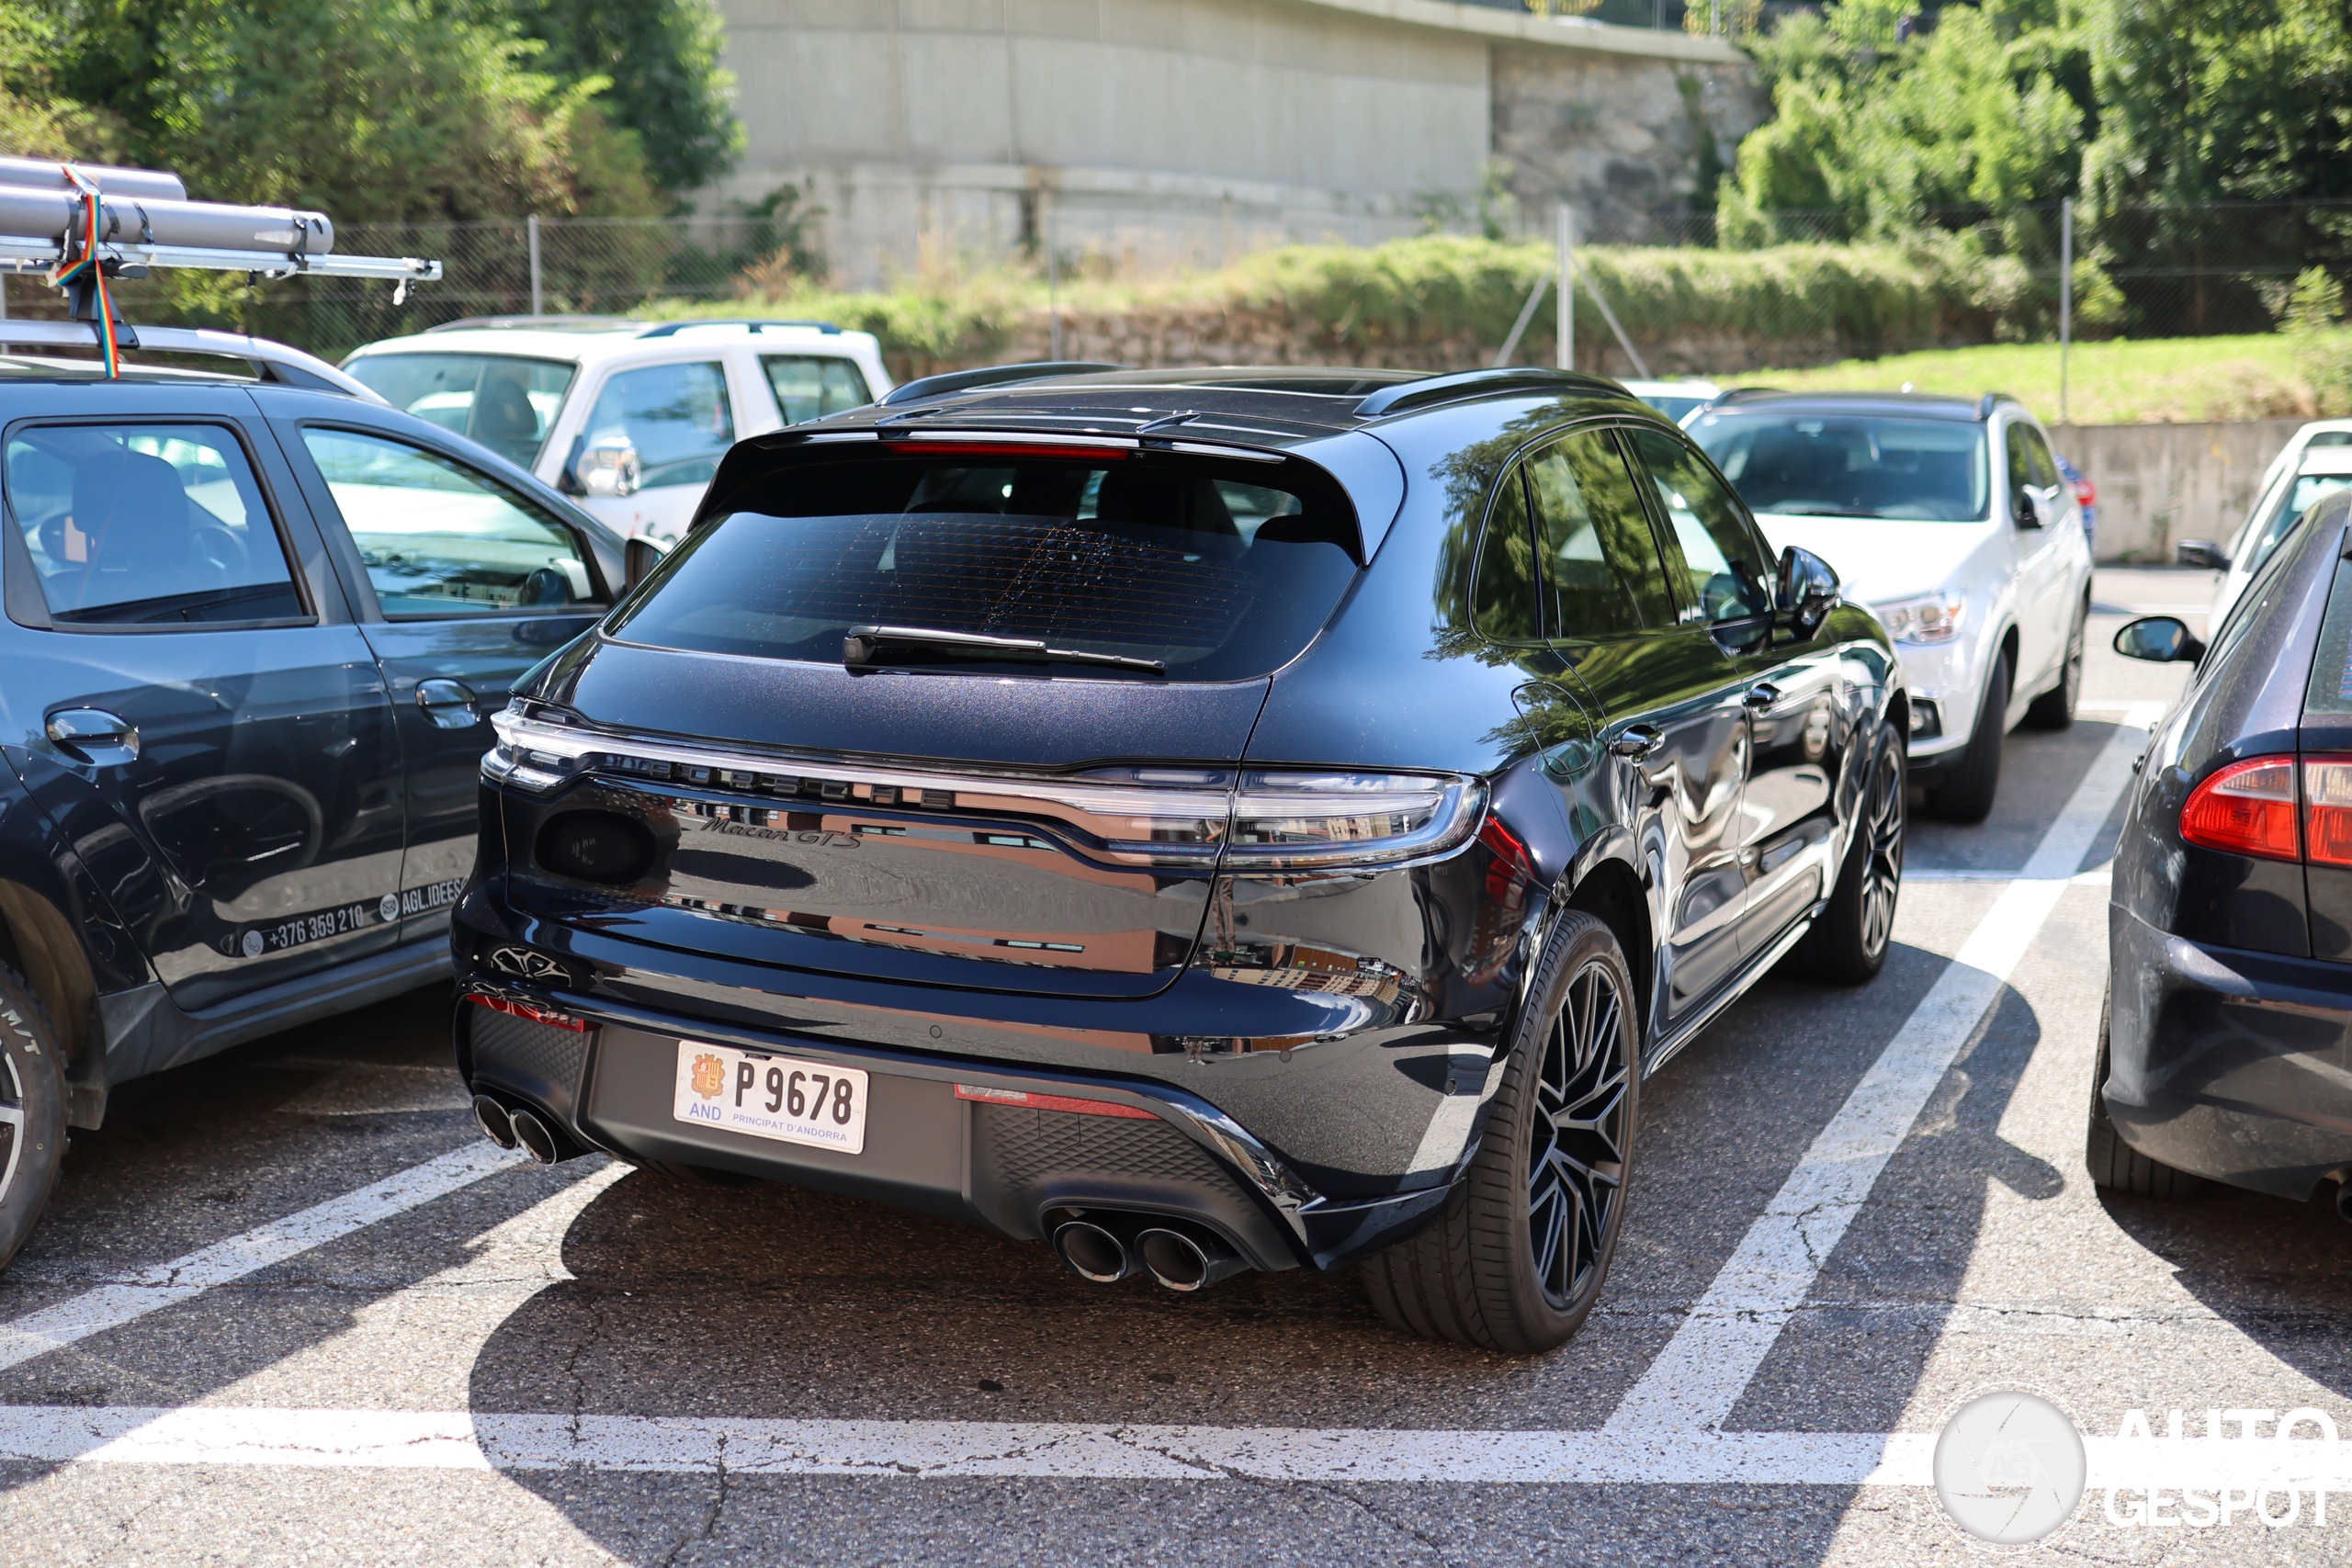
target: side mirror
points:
(2200, 552)
(1806, 589)
(609, 468)
(2159, 640)
(2022, 509)
(640, 555)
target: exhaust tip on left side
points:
(1094, 1253)
(496, 1124)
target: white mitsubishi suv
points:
(630, 418)
(1950, 520)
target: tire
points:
(1847, 944)
(1504, 1268)
(2054, 709)
(2115, 1164)
(1966, 795)
(32, 1111)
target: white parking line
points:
(1699, 1377)
(165, 1284)
(907, 1450)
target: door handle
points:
(93, 735)
(1761, 697)
(449, 703)
(1637, 742)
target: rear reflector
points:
(523, 1010)
(2327, 810)
(987, 1095)
(2247, 808)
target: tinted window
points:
(1846, 466)
(1599, 564)
(134, 525)
(506, 402)
(2030, 459)
(1143, 557)
(676, 417)
(2255, 546)
(1504, 609)
(438, 539)
(809, 386)
(1719, 552)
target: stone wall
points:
(2159, 484)
(1623, 139)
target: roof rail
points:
(1735, 392)
(555, 324)
(1991, 401)
(672, 329)
(1467, 385)
(271, 361)
(988, 376)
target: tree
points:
(661, 58)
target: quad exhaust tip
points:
(2344, 1201)
(496, 1124)
(1094, 1252)
(1182, 1261)
(537, 1141)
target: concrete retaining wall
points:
(2161, 483)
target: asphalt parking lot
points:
(289, 1306)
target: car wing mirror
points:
(640, 555)
(1804, 590)
(2200, 552)
(2022, 508)
(2159, 640)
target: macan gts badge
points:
(1207, 820)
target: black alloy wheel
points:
(1517, 1256)
(1848, 944)
(2054, 709)
(1576, 1165)
(32, 1111)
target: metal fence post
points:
(2065, 295)
(1564, 356)
(539, 303)
(1053, 278)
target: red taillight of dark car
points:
(2255, 808)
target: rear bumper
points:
(2229, 1064)
(610, 1087)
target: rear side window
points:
(1218, 569)
(147, 524)
(503, 400)
(1601, 568)
(440, 539)
(809, 386)
(1719, 551)
(1504, 609)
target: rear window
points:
(1218, 570)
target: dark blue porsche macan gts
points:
(1209, 819)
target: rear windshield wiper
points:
(861, 648)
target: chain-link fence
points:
(1686, 293)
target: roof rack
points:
(990, 376)
(1467, 385)
(755, 323)
(86, 223)
(271, 361)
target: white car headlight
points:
(1932, 617)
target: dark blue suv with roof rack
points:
(1211, 819)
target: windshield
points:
(1850, 465)
(2265, 537)
(1218, 569)
(506, 403)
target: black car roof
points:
(1278, 403)
(1918, 405)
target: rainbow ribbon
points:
(87, 261)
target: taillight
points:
(2087, 492)
(1297, 821)
(2327, 810)
(2247, 808)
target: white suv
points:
(629, 417)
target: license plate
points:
(771, 1097)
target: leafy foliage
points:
(661, 59)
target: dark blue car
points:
(1210, 819)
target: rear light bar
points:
(1027, 1101)
(2274, 808)
(1250, 820)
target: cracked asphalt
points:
(1982, 1257)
